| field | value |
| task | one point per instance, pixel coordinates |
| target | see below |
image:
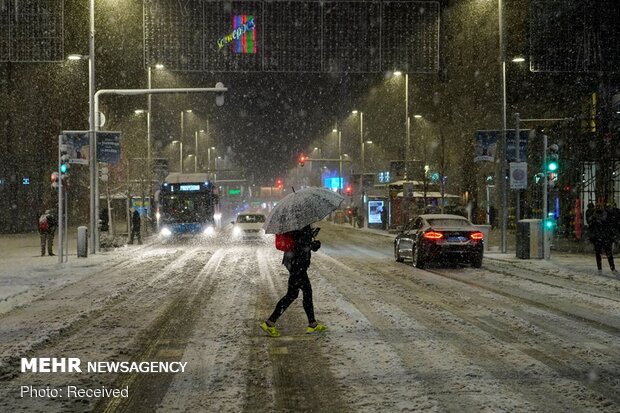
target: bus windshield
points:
(186, 207)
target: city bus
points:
(187, 204)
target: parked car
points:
(439, 238)
(249, 226)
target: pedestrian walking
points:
(297, 261)
(601, 236)
(135, 227)
(47, 228)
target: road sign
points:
(518, 175)
(76, 144)
(109, 147)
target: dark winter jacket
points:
(613, 218)
(299, 257)
(135, 220)
(52, 223)
(599, 227)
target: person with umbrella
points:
(292, 217)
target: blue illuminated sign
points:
(25, 180)
(333, 183)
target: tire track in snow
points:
(443, 313)
(217, 351)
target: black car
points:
(440, 237)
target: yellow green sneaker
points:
(318, 328)
(272, 331)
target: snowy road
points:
(512, 336)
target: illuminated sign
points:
(185, 188)
(243, 36)
(234, 192)
(333, 183)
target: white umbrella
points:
(301, 208)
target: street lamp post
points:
(362, 146)
(502, 175)
(407, 137)
(196, 150)
(92, 139)
(209, 159)
(180, 155)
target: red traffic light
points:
(302, 159)
(279, 184)
(348, 190)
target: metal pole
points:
(196, 155)
(209, 162)
(181, 156)
(148, 149)
(545, 240)
(518, 159)
(363, 166)
(406, 125)
(502, 58)
(340, 163)
(60, 205)
(92, 138)
(182, 132)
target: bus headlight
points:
(236, 231)
(209, 230)
(165, 232)
(217, 216)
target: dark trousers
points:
(599, 247)
(135, 232)
(297, 280)
(47, 238)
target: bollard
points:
(82, 242)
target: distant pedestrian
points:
(297, 261)
(601, 236)
(135, 227)
(47, 228)
(104, 220)
(355, 216)
(613, 217)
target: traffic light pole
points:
(546, 240)
(60, 205)
(546, 234)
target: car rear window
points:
(448, 222)
(250, 219)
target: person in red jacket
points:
(297, 262)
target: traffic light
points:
(553, 157)
(54, 179)
(103, 173)
(348, 190)
(302, 159)
(279, 184)
(64, 163)
(549, 224)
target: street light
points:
(209, 159)
(180, 154)
(340, 178)
(183, 123)
(407, 136)
(362, 146)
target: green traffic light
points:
(64, 168)
(549, 224)
(552, 166)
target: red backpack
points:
(285, 242)
(43, 224)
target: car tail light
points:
(476, 236)
(433, 235)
